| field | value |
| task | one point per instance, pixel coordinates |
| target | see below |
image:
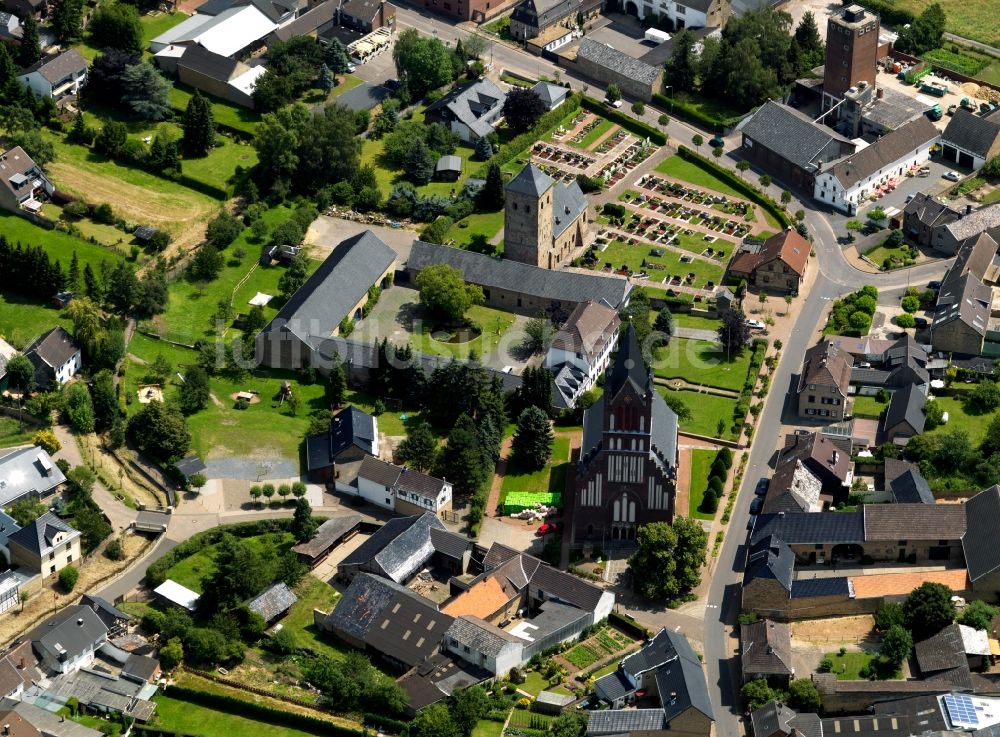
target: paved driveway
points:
(327, 232)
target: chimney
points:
(21, 665)
(879, 93)
(836, 457)
(79, 622)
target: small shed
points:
(190, 465)
(287, 252)
(273, 602)
(549, 702)
(268, 254)
(144, 234)
(448, 169)
(724, 300)
(330, 534)
(172, 593)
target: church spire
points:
(629, 365)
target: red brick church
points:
(626, 475)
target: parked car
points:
(755, 324)
(756, 505)
(351, 69)
(920, 323)
(616, 104)
(546, 527)
(716, 142)
(910, 197)
(763, 484)
(952, 176)
(934, 284)
(391, 84)
(925, 171)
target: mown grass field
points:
(11, 433)
(491, 323)
(183, 716)
(477, 230)
(701, 461)
(707, 413)
(239, 118)
(701, 362)
(975, 20)
(551, 479)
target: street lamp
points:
(671, 88)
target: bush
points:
(115, 550)
(906, 321)
(910, 304)
(68, 577)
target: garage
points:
(949, 152)
(965, 159)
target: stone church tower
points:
(544, 221)
(627, 473)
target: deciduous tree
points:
(668, 560)
(522, 109)
(445, 293)
(928, 609)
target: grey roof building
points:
(471, 111)
(608, 65)
(905, 417)
(27, 471)
(68, 639)
(766, 650)
(904, 480)
(353, 434)
(114, 618)
(330, 534)
(775, 719)
(41, 536)
(553, 95)
(397, 550)
(273, 602)
(971, 140)
(506, 282)
(620, 722)
(982, 554)
(335, 292)
(55, 355)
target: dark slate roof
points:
(629, 366)
(906, 406)
(971, 132)
(890, 522)
(76, 629)
(27, 470)
(349, 427)
(568, 202)
(617, 61)
(57, 68)
(379, 472)
(566, 587)
(38, 536)
(481, 636)
(789, 133)
(930, 211)
(361, 9)
(565, 286)
(685, 678)
(415, 482)
(54, 347)
(810, 587)
(550, 94)
(623, 721)
(308, 22)
(613, 685)
(273, 601)
(910, 486)
(327, 533)
(103, 606)
(593, 426)
(214, 66)
(982, 515)
(771, 718)
(449, 543)
(884, 152)
(766, 647)
(656, 652)
(190, 465)
(869, 376)
(328, 296)
(530, 181)
(543, 13)
(400, 547)
(943, 651)
(470, 103)
(770, 558)
(214, 7)
(140, 667)
(830, 528)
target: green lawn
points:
(900, 256)
(701, 461)
(601, 129)
(191, 570)
(707, 412)
(868, 407)
(609, 668)
(58, 245)
(22, 320)
(184, 716)
(534, 682)
(219, 167)
(696, 322)
(487, 728)
(155, 24)
(552, 478)
(477, 230)
(847, 667)
(313, 594)
(237, 117)
(491, 323)
(11, 433)
(701, 362)
(958, 419)
(638, 258)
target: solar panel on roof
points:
(961, 710)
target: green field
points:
(487, 728)
(184, 716)
(22, 320)
(700, 362)
(11, 433)
(958, 419)
(218, 168)
(313, 594)
(707, 412)
(492, 324)
(157, 23)
(633, 258)
(701, 461)
(975, 20)
(551, 479)
(696, 322)
(58, 244)
(477, 230)
(237, 117)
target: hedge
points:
(628, 123)
(686, 111)
(628, 625)
(157, 571)
(734, 181)
(516, 145)
(250, 710)
(145, 729)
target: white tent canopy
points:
(260, 299)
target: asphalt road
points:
(836, 277)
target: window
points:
(52, 555)
(819, 546)
(52, 569)
(902, 543)
(812, 397)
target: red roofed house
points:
(777, 265)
